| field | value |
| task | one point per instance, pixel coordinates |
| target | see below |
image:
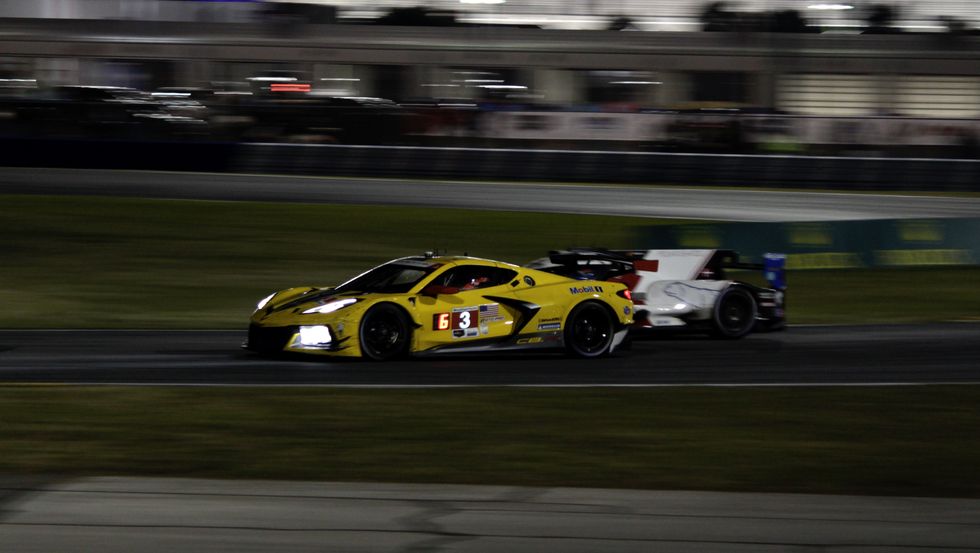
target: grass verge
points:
(918, 441)
(89, 262)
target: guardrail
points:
(779, 171)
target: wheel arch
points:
(568, 322)
(609, 309)
(411, 323)
(749, 325)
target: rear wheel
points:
(589, 330)
(384, 333)
(735, 313)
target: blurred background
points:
(880, 97)
(805, 77)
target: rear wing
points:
(603, 264)
(583, 263)
(580, 256)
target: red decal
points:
(650, 265)
(466, 319)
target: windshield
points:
(392, 278)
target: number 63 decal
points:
(457, 320)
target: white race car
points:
(690, 289)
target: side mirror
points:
(434, 290)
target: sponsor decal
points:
(549, 326)
(489, 313)
(531, 340)
(626, 310)
(551, 320)
(585, 289)
(922, 257)
(823, 260)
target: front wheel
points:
(384, 333)
(589, 330)
(735, 313)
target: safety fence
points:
(781, 171)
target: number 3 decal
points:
(464, 319)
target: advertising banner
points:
(832, 244)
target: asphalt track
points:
(900, 354)
(633, 200)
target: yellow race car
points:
(435, 304)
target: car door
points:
(467, 307)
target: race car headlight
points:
(264, 301)
(314, 336)
(331, 307)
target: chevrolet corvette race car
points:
(684, 288)
(428, 304)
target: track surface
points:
(803, 355)
(639, 201)
(123, 515)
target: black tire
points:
(589, 330)
(385, 333)
(735, 312)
